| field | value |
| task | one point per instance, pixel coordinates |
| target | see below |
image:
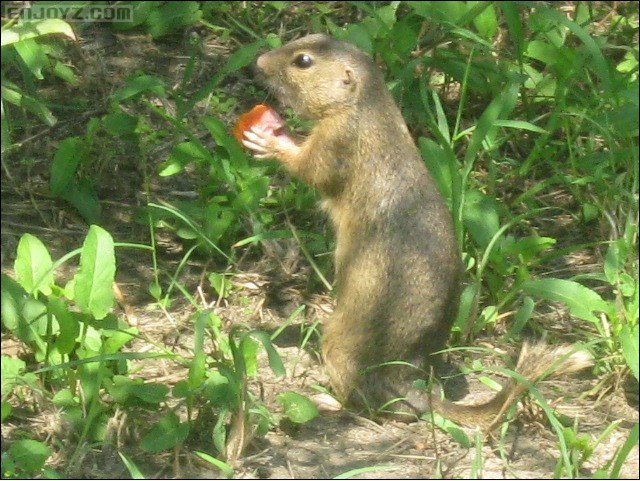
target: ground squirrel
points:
(397, 264)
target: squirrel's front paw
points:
(267, 145)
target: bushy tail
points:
(535, 361)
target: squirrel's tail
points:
(535, 361)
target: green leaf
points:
(82, 196)
(131, 467)
(486, 21)
(138, 85)
(442, 166)
(197, 368)
(11, 303)
(181, 155)
(220, 390)
(65, 399)
(239, 59)
(369, 469)
(64, 72)
(6, 411)
(600, 66)
(581, 301)
(623, 452)
(69, 325)
(249, 350)
(33, 265)
(522, 315)
(274, 358)
(220, 283)
(166, 434)
(151, 392)
(94, 280)
(124, 388)
(119, 123)
(514, 23)
(520, 125)
(29, 455)
(11, 370)
(170, 16)
(70, 153)
(629, 342)
(455, 431)
(35, 29)
(226, 469)
(480, 216)
(299, 409)
(33, 55)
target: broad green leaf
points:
(220, 283)
(29, 455)
(170, 16)
(138, 85)
(70, 153)
(33, 265)
(69, 325)
(94, 280)
(166, 434)
(220, 391)
(124, 388)
(581, 301)
(119, 123)
(150, 392)
(522, 315)
(181, 155)
(6, 411)
(11, 303)
(33, 55)
(629, 342)
(64, 399)
(141, 12)
(466, 305)
(441, 166)
(480, 217)
(35, 29)
(64, 72)
(275, 362)
(486, 22)
(298, 408)
(11, 370)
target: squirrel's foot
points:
(268, 145)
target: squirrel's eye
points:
(303, 61)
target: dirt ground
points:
(331, 444)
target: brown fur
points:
(397, 264)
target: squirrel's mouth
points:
(275, 89)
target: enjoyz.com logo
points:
(72, 12)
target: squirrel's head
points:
(318, 76)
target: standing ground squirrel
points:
(397, 265)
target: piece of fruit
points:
(261, 116)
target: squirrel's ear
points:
(349, 77)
